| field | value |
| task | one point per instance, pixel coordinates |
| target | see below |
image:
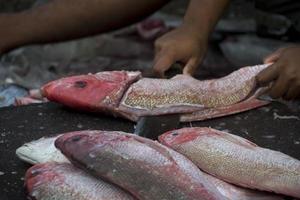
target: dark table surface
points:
(276, 126)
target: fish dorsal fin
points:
(235, 139)
(157, 146)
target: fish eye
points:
(174, 133)
(80, 84)
(35, 172)
(76, 138)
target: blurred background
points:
(244, 35)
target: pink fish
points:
(62, 181)
(145, 168)
(237, 160)
(129, 95)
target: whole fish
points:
(237, 160)
(62, 181)
(145, 168)
(129, 95)
(41, 151)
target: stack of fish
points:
(187, 164)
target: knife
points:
(153, 126)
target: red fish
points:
(129, 95)
(62, 181)
(237, 160)
(145, 168)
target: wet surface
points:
(26, 123)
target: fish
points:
(236, 160)
(234, 192)
(145, 168)
(41, 151)
(21, 101)
(34, 96)
(131, 96)
(63, 181)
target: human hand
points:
(182, 45)
(284, 73)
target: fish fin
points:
(210, 113)
(235, 139)
(155, 145)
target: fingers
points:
(280, 87)
(273, 57)
(191, 66)
(293, 92)
(267, 75)
(162, 62)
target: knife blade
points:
(153, 126)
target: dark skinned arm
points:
(188, 43)
(62, 20)
(284, 74)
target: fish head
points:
(103, 90)
(183, 135)
(40, 151)
(80, 145)
(38, 175)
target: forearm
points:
(69, 19)
(202, 15)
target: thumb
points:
(162, 62)
(273, 57)
(191, 66)
(267, 75)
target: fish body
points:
(131, 96)
(234, 192)
(237, 160)
(62, 181)
(145, 168)
(41, 151)
(184, 94)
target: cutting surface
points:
(276, 126)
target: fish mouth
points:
(23, 154)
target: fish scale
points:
(184, 89)
(141, 166)
(237, 160)
(234, 192)
(184, 94)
